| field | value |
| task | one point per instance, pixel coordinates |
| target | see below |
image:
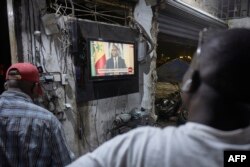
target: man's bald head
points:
(216, 90)
(224, 63)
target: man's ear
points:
(6, 86)
(193, 83)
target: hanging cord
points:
(95, 13)
(73, 8)
(143, 32)
(30, 29)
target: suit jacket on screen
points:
(110, 63)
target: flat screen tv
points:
(111, 59)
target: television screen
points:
(111, 59)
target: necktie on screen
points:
(115, 63)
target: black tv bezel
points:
(111, 77)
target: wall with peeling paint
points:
(86, 125)
(144, 15)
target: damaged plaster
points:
(144, 15)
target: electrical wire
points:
(34, 28)
(73, 8)
(144, 33)
(72, 70)
(65, 1)
(82, 6)
(65, 62)
(43, 48)
(111, 21)
(39, 39)
(97, 13)
(125, 20)
(30, 30)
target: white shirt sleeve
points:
(125, 150)
(192, 144)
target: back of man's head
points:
(225, 63)
(24, 77)
(216, 88)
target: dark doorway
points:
(173, 49)
(5, 60)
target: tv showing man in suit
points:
(115, 61)
(111, 58)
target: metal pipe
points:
(109, 3)
(73, 8)
(12, 36)
(95, 13)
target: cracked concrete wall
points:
(145, 16)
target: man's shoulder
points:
(41, 111)
(23, 108)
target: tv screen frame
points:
(99, 57)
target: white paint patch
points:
(239, 23)
(143, 14)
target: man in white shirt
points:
(218, 99)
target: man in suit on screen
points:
(115, 61)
